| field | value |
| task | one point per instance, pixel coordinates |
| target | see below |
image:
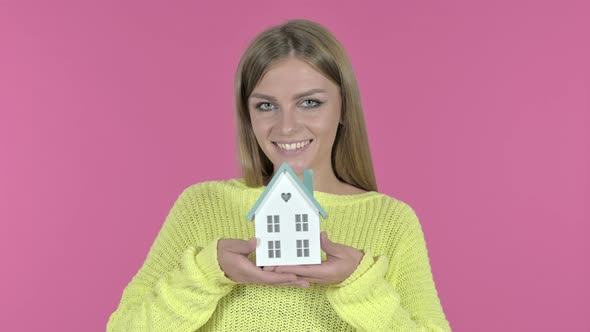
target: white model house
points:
(287, 220)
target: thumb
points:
(328, 246)
(252, 244)
(243, 247)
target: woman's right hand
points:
(232, 255)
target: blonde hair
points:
(313, 43)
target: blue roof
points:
(308, 191)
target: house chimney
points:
(308, 180)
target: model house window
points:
(274, 249)
(301, 224)
(272, 224)
(302, 248)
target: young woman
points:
(297, 102)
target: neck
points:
(324, 179)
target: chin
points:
(298, 166)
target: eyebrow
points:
(297, 96)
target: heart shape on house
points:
(286, 196)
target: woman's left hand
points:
(341, 261)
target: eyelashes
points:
(260, 108)
(315, 103)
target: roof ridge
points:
(286, 168)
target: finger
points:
(315, 280)
(269, 268)
(264, 277)
(299, 283)
(241, 246)
(254, 274)
(329, 247)
(312, 271)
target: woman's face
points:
(295, 112)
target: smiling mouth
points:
(293, 146)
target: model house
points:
(287, 220)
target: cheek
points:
(260, 128)
(326, 127)
(325, 137)
(255, 123)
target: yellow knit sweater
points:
(180, 287)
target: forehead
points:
(292, 75)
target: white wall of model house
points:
(287, 225)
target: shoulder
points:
(217, 192)
(396, 210)
(377, 206)
(388, 202)
(200, 192)
(404, 216)
(211, 187)
(197, 199)
(400, 224)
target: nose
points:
(288, 121)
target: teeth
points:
(293, 146)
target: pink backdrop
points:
(478, 114)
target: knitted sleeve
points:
(400, 296)
(179, 285)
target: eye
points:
(262, 107)
(311, 103)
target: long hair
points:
(314, 44)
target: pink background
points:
(478, 115)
